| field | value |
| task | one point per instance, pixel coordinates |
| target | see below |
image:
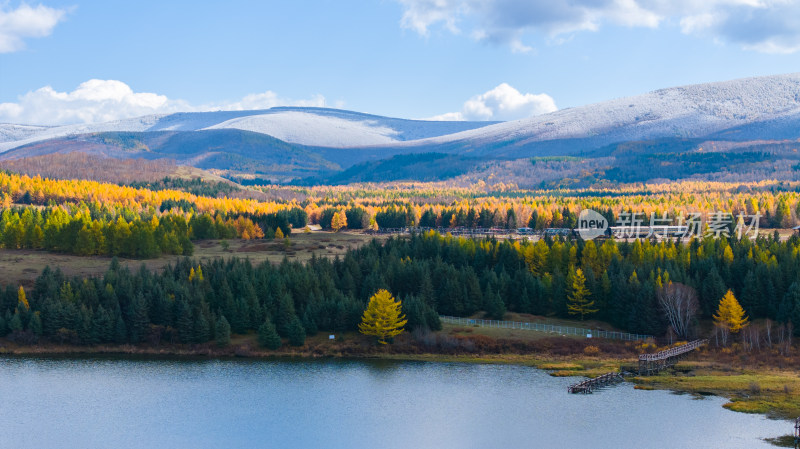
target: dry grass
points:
(24, 266)
(511, 334)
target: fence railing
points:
(541, 327)
(673, 352)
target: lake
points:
(124, 403)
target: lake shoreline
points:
(241, 402)
(747, 390)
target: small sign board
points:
(331, 337)
(589, 335)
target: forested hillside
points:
(38, 212)
(90, 218)
(431, 274)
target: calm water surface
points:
(103, 403)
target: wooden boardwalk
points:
(648, 364)
(588, 385)
(653, 363)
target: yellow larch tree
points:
(730, 313)
(383, 317)
(22, 300)
(336, 222)
(578, 297)
(342, 219)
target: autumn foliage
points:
(383, 318)
(730, 313)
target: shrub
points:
(591, 350)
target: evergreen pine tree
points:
(222, 332)
(139, 320)
(120, 329)
(268, 336)
(83, 324)
(184, 321)
(412, 309)
(102, 326)
(297, 335)
(790, 307)
(309, 324)
(713, 288)
(494, 305)
(202, 329)
(35, 323)
(285, 314)
(15, 325)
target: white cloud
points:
(97, 101)
(26, 22)
(268, 100)
(518, 47)
(421, 14)
(502, 103)
(762, 25)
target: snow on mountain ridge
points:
(311, 129)
(10, 132)
(305, 126)
(686, 111)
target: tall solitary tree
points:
(730, 313)
(578, 298)
(383, 317)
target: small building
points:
(552, 232)
(796, 229)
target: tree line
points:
(89, 230)
(431, 274)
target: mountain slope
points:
(228, 150)
(758, 116)
(305, 126)
(681, 112)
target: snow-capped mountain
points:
(305, 126)
(688, 111)
(694, 111)
(292, 142)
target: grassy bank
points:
(769, 391)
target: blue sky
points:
(469, 59)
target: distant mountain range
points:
(753, 115)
